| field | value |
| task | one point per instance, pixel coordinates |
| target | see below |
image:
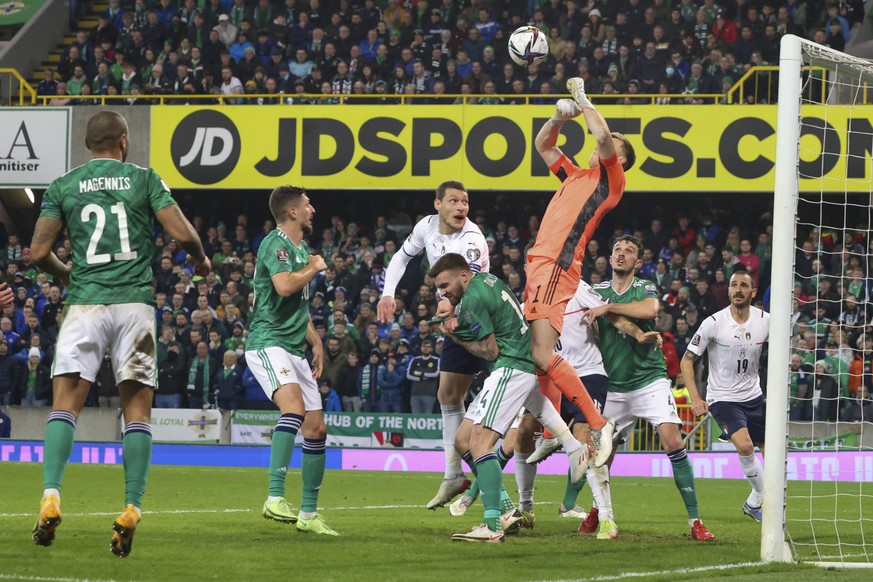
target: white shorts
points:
(126, 329)
(653, 403)
(474, 406)
(503, 395)
(275, 367)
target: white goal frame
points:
(774, 547)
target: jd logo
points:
(205, 147)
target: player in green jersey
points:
(490, 325)
(638, 383)
(108, 207)
(275, 353)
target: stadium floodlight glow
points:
(29, 193)
(825, 105)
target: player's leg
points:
(136, 446)
(525, 473)
(312, 469)
(78, 355)
(544, 413)
(548, 444)
(744, 424)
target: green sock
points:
(136, 449)
(683, 476)
(473, 491)
(59, 433)
(571, 493)
(281, 450)
(313, 473)
(506, 503)
(490, 481)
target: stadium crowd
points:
(203, 322)
(302, 51)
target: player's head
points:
(627, 157)
(626, 255)
(452, 204)
(107, 134)
(451, 276)
(291, 204)
(741, 288)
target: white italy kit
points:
(577, 343)
(468, 242)
(734, 351)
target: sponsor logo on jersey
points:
(282, 255)
(473, 254)
(205, 147)
(696, 340)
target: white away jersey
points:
(734, 351)
(468, 242)
(577, 343)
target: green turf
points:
(204, 523)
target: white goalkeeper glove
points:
(566, 109)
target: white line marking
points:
(662, 572)
(48, 579)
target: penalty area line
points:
(47, 578)
(624, 575)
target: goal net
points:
(818, 504)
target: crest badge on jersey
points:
(696, 340)
(473, 255)
(748, 336)
(282, 255)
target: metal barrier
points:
(645, 438)
(6, 75)
(762, 82)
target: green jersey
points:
(278, 321)
(108, 207)
(629, 365)
(488, 306)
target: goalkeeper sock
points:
(453, 416)
(550, 391)
(313, 473)
(683, 476)
(754, 472)
(490, 480)
(563, 375)
(525, 475)
(571, 491)
(281, 450)
(59, 434)
(136, 451)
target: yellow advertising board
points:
(680, 148)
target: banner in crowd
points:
(681, 148)
(345, 429)
(16, 12)
(34, 146)
(185, 425)
(844, 440)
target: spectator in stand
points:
(368, 382)
(227, 385)
(9, 371)
(391, 377)
(859, 409)
(423, 373)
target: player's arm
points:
(648, 308)
(45, 233)
(177, 226)
(698, 406)
(485, 348)
(546, 141)
(317, 350)
(628, 327)
(413, 245)
(288, 283)
(596, 125)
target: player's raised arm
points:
(288, 283)
(44, 236)
(593, 119)
(413, 245)
(546, 141)
(177, 226)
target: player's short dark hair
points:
(630, 239)
(282, 198)
(630, 156)
(454, 184)
(103, 131)
(740, 269)
(448, 262)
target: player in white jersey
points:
(733, 339)
(447, 231)
(578, 346)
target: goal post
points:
(823, 184)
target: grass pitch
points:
(205, 523)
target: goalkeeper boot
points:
(48, 520)
(608, 530)
(700, 533)
(449, 489)
(461, 505)
(124, 526)
(279, 510)
(752, 511)
(544, 450)
(315, 525)
(480, 533)
(591, 522)
(603, 442)
(574, 512)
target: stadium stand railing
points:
(26, 93)
(644, 437)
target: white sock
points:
(453, 416)
(545, 413)
(307, 514)
(598, 480)
(272, 498)
(138, 511)
(754, 472)
(525, 475)
(47, 492)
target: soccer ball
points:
(528, 46)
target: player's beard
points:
(306, 227)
